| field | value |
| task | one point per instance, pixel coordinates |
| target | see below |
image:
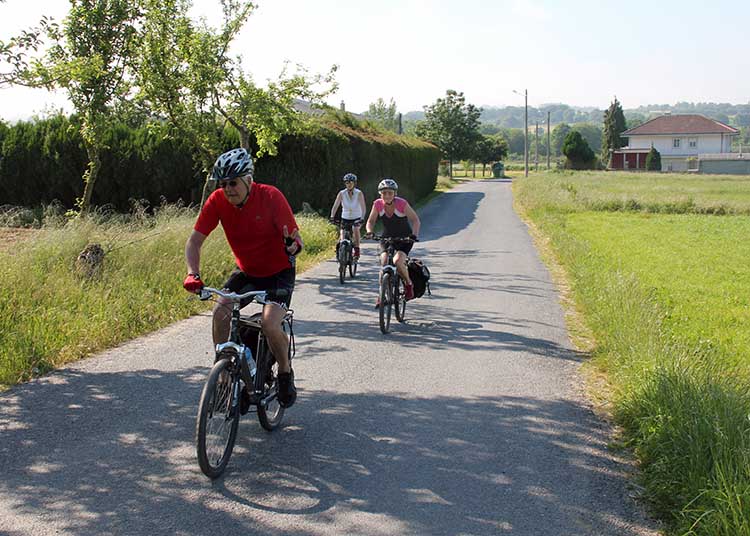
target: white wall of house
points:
(674, 164)
(688, 145)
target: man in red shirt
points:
(261, 230)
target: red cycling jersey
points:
(255, 231)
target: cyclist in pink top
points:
(263, 235)
(399, 221)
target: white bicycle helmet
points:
(350, 177)
(388, 184)
(233, 164)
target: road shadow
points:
(114, 453)
(449, 214)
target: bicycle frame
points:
(237, 347)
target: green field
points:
(662, 284)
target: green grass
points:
(665, 298)
(50, 314)
(646, 192)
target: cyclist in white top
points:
(352, 203)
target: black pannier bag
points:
(249, 328)
(420, 277)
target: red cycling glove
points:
(193, 283)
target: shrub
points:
(653, 160)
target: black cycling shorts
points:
(240, 282)
(401, 245)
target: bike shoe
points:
(409, 292)
(287, 391)
(377, 303)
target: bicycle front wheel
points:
(218, 419)
(399, 299)
(385, 303)
(270, 413)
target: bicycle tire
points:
(269, 416)
(352, 268)
(385, 303)
(399, 298)
(343, 254)
(217, 406)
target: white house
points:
(677, 137)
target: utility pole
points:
(536, 152)
(525, 131)
(549, 147)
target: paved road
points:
(465, 420)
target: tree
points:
(90, 58)
(614, 125)
(210, 84)
(452, 125)
(383, 114)
(490, 149)
(577, 151)
(653, 160)
(558, 135)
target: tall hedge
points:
(44, 160)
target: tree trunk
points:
(450, 168)
(474, 170)
(245, 139)
(90, 176)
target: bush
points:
(149, 163)
(577, 151)
(653, 160)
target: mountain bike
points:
(242, 376)
(392, 291)
(345, 249)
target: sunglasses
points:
(224, 184)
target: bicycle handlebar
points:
(393, 238)
(337, 221)
(259, 296)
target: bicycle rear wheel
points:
(385, 303)
(271, 413)
(218, 419)
(399, 298)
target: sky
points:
(576, 52)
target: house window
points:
(676, 143)
(692, 143)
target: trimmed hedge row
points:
(44, 160)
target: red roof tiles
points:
(681, 124)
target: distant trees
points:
(577, 151)
(383, 114)
(452, 125)
(614, 125)
(653, 160)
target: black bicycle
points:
(345, 249)
(245, 374)
(392, 291)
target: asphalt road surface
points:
(467, 419)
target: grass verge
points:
(52, 314)
(664, 300)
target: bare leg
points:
(403, 271)
(222, 317)
(273, 314)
